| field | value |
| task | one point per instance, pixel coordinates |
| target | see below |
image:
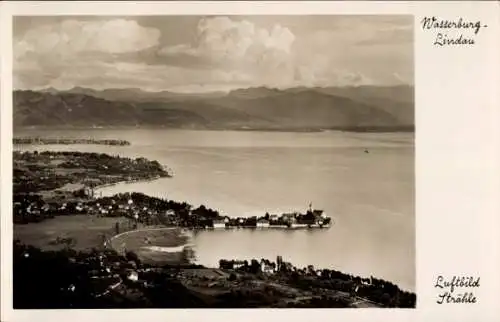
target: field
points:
(85, 231)
(143, 242)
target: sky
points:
(211, 53)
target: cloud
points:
(274, 56)
(216, 52)
(236, 44)
(74, 50)
(71, 37)
(102, 75)
(248, 53)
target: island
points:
(98, 256)
(65, 141)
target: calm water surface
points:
(369, 195)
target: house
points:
(132, 276)
(218, 223)
(367, 281)
(267, 267)
(170, 212)
(238, 264)
(273, 218)
(290, 220)
(288, 217)
(263, 223)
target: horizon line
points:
(275, 88)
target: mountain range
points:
(362, 108)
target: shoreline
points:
(349, 129)
(191, 245)
(107, 185)
(180, 248)
(114, 237)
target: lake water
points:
(370, 196)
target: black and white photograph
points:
(218, 161)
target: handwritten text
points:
(448, 288)
(453, 32)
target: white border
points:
(457, 157)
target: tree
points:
(131, 256)
(186, 255)
(385, 299)
(254, 266)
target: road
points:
(111, 287)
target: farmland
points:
(85, 232)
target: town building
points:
(279, 262)
(238, 264)
(273, 218)
(262, 223)
(267, 267)
(133, 276)
(217, 223)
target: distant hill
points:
(255, 92)
(396, 100)
(356, 108)
(135, 94)
(67, 109)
